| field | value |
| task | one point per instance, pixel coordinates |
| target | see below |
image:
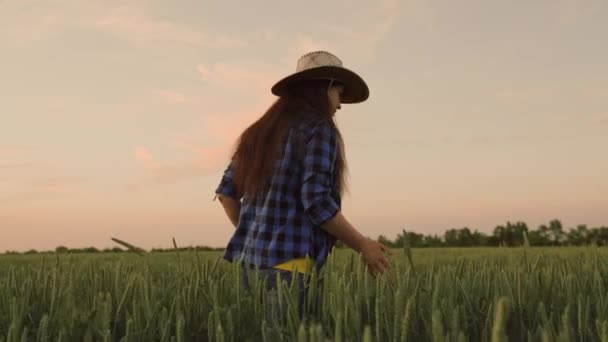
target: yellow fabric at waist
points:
(301, 264)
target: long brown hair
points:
(260, 144)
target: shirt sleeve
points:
(226, 186)
(318, 172)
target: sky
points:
(118, 117)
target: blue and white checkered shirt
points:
(283, 222)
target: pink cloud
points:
(162, 173)
(142, 154)
(26, 24)
(387, 12)
(359, 41)
(171, 96)
(236, 73)
(251, 76)
(158, 172)
(208, 145)
(138, 28)
(203, 71)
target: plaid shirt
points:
(283, 222)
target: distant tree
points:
(492, 240)
(557, 232)
(61, 249)
(479, 239)
(450, 237)
(387, 242)
(414, 239)
(500, 234)
(599, 235)
(31, 251)
(516, 232)
(432, 241)
(458, 237)
(537, 238)
(510, 234)
(545, 234)
(578, 236)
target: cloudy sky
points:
(117, 117)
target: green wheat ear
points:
(139, 251)
(526, 241)
(407, 251)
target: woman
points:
(282, 188)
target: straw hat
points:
(324, 65)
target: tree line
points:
(65, 250)
(510, 235)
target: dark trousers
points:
(304, 281)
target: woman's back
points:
(282, 222)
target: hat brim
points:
(355, 88)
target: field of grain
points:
(466, 294)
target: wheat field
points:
(447, 294)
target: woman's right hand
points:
(373, 255)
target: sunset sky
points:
(117, 117)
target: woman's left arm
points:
(232, 207)
(228, 195)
